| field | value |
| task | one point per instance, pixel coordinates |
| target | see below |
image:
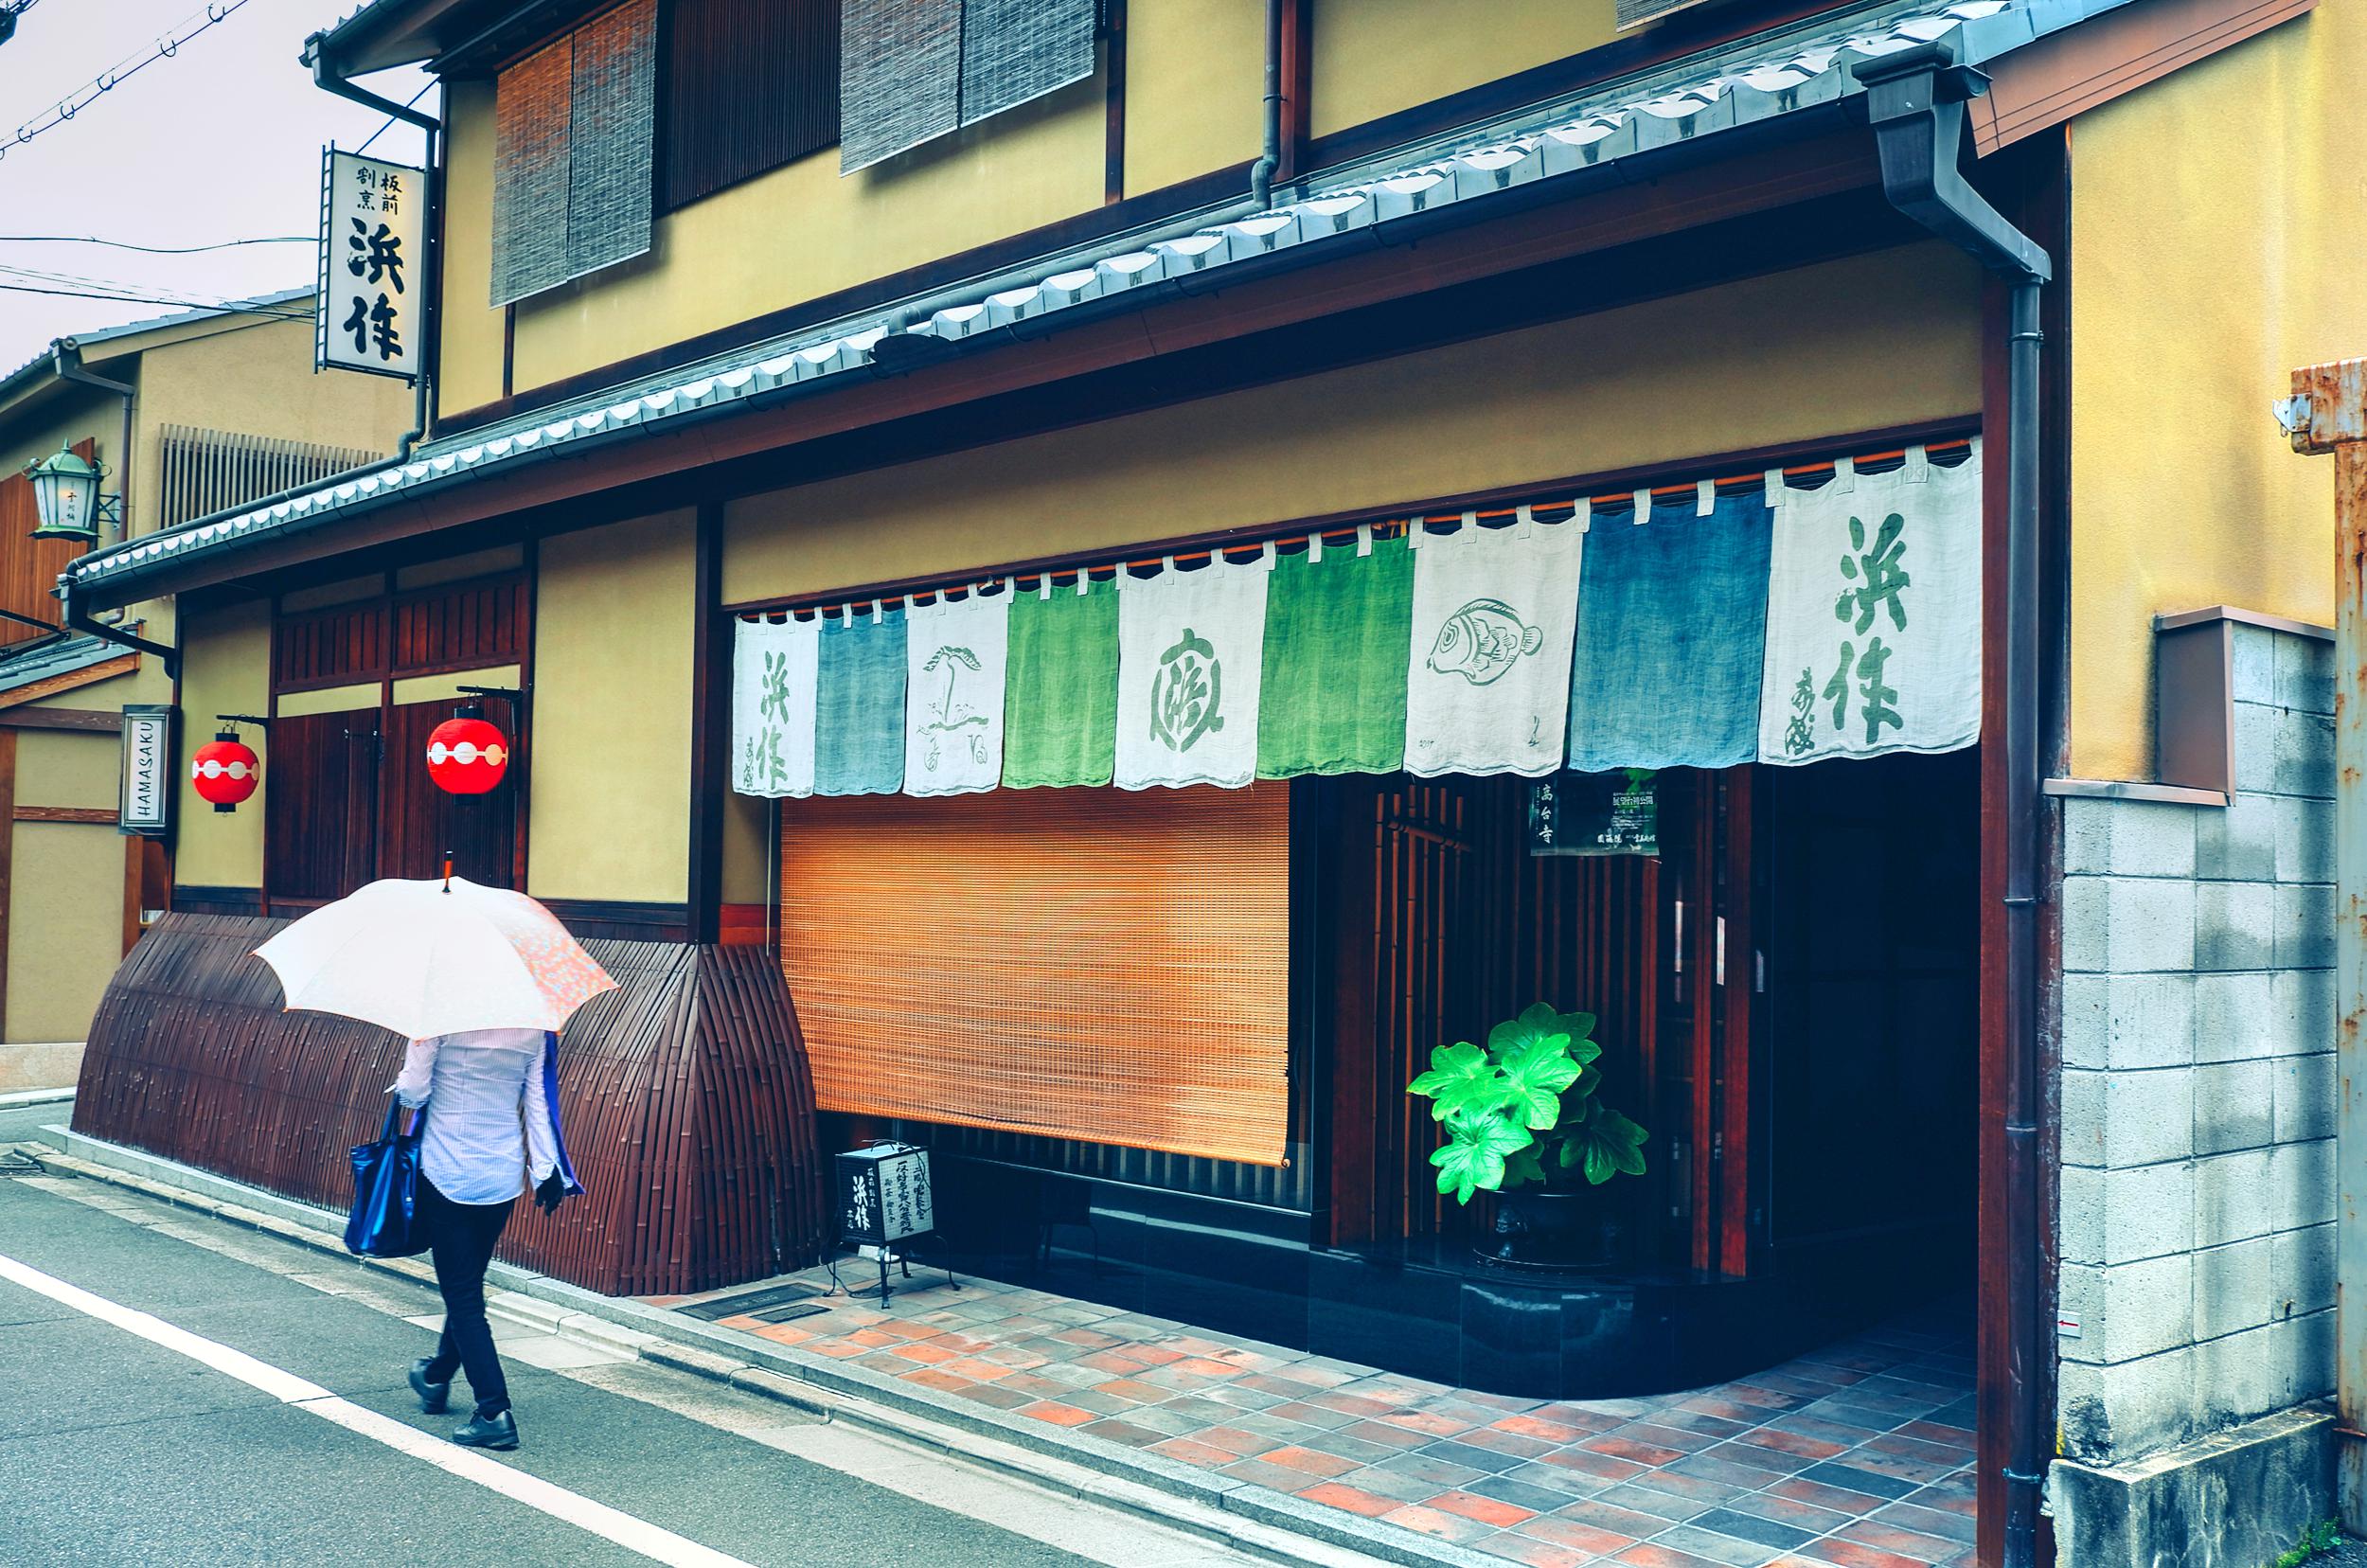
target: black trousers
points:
(463, 1236)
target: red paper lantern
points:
(467, 755)
(226, 772)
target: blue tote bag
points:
(385, 1189)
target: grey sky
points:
(220, 142)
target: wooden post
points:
(2328, 413)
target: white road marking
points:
(634, 1535)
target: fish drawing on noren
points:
(1481, 640)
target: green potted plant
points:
(1523, 1121)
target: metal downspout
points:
(65, 361)
(1915, 102)
(432, 300)
(1261, 173)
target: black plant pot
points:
(1539, 1228)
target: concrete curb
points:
(18, 1098)
(1280, 1525)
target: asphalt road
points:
(116, 1450)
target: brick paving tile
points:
(1533, 1553)
(1444, 1475)
(1575, 1535)
(1193, 1453)
(1849, 1554)
(927, 1351)
(1584, 1417)
(1954, 1495)
(1353, 1500)
(977, 1369)
(1770, 1462)
(1809, 1424)
(1680, 1438)
(1520, 1494)
(1029, 1382)
(882, 1360)
(1715, 1546)
(1387, 1435)
(1286, 1388)
(1132, 1390)
(1726, 1409)
(943, 1381)
(1795, 1443)
(1512, 1443)
(1419, 1420)
(1098, 1402)
(1911, 1544)
(1208, 1366)
(1354, 1449)
(1837, 1473)
(1916, 1473)
(1160, 1419)
(1539, 1427)
(1058, 1415)
(1198, 1407)
(1694, 1420)
(1932, 1522)
(1384, 1483)
(836, 1349)
(1128, 1433)
(782, 1334)
(1272, 1426)
(1620, 1447)
(1569, 1483)
(1713, 1466)
(1650, 1555)
(1118, 1363)
(1474, 1458)
(1839, 1499)
(999, 1397)
(1276, 1477)
(1699, 1488)
(1598, 1515)
(1590, 1463)
(1783, 1510)
(1328, 1465)
(1667, 1508)
(1313, 1414)
(1085, 1338)
(1445, 1527)
(1488, 1510)
(1939, 1431)
(1755, 1527)
(1233, 1441)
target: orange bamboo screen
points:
(1091, 963)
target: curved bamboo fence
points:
(686, 1095)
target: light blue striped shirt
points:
(489, 1120)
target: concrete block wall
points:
(2198, 1193)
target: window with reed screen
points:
(748, 86)
(574, 140)
(1090, 964)
(911, 70)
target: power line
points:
(390, 119)
(229, 308)
(156, 250)
(166, 45)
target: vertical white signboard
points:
(373, 276)
(147, 807)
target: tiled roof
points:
(1749, 82)
(129, 328)
(45, 657)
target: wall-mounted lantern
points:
(66, 498)
(467, 754)
(225, 771)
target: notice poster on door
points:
(1601, 813)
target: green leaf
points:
(1535, 1074)
(1473, 1157)
(1609, 1144)
(1523, 1168)
(1461, 1082)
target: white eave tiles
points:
(1683, 101)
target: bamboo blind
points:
(1089, 964)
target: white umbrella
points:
(436, 957)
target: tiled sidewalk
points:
(1858, 1456)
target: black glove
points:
(550, 1193)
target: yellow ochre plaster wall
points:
(1772, 359)
(62, 950)
(68, 768)
(225, 668)
(471, 368)
(2216, 219)
(1375, 57)
(1195, 89)
(611, 758)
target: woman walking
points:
(493, 1128)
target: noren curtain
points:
(1068, 963)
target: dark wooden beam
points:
(710, 725)
(1113, 67)
(94, 720)
(93, 815)
(1298, 82)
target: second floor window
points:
(574, 134)
(911, 70)
(748, 86)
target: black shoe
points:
(434, 1397)
(488, 1432)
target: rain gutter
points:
(1916, 101)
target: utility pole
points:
(2328, 413)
